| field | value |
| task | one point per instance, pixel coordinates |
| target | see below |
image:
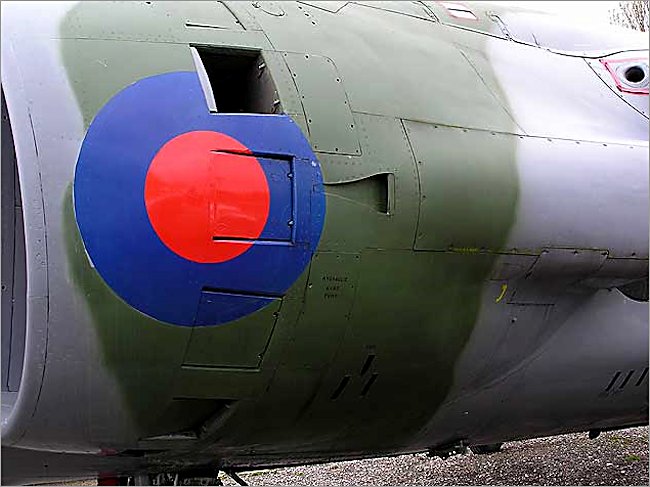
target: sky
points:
(585, 12)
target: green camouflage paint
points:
(413, 310)
(135, 347)
(144, 355)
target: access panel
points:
(469, 187)
(327, 109)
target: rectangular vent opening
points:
(627, 379)
(613, 381)
(341, 386)
(236, 80)
(369, 384)
(644, 374)
(367, 364)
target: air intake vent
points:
(14, 273)
(373, 192)
(236, 80)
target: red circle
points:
(207, 198)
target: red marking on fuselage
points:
(619, 84)
(194, 193)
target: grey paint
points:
(588, 340)
(16, 410)
(564, 182)
(570, 104)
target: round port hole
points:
(634, 74)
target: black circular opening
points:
(634, 74)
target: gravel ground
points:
(614, 458)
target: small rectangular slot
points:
(626, 380)
(613, 381)
(247, 241)
(367, 364)
(233, 292)
(212, 304)
(339, 389)
(199, 25)
(643, 376)
(239, 79)
(265, 155)
(369, 384)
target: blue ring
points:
(110, 208)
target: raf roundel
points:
(206, 206)
(193, 218)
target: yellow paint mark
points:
(504, 288)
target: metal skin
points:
(485, 191)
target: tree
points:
(632, 14)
